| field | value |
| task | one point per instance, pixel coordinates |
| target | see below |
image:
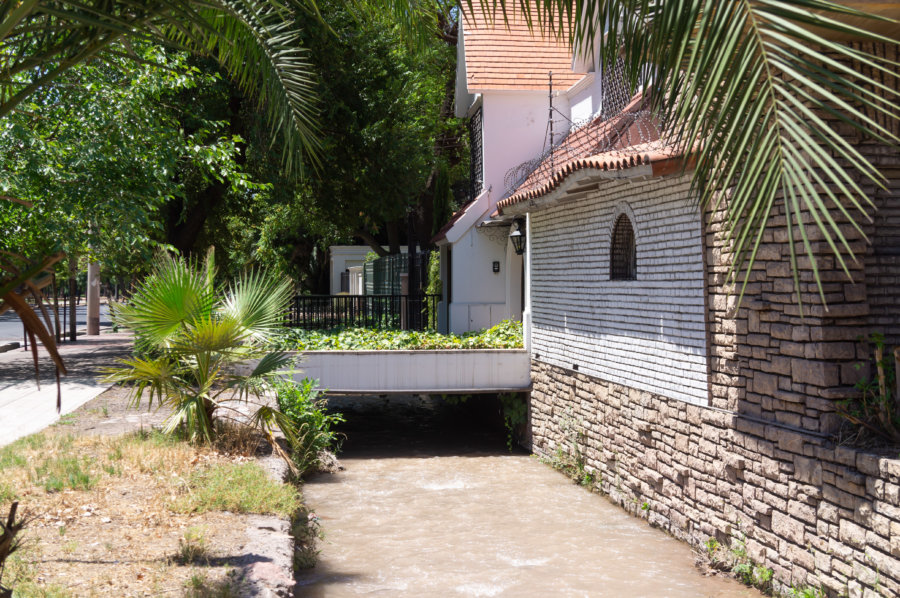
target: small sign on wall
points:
(496, 267)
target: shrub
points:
(505, 335)
(313, 426)
(193, 337)
(877, 409)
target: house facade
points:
(502, 88)
(708, 418)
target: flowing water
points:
(432, 504)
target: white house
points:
(502, 87)
(346, 261)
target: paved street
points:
(11, 327)
(25, 408)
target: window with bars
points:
(622, 251)
(476, 162)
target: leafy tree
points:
(95, 155)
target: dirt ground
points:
(119, 537)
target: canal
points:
(431, 503)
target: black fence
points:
(416, 312)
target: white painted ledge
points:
(442, 371)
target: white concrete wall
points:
(648, 333)
(481, 370)
(515, 126)
(479, 294)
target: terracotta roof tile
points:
(508, 56)
(628, 140)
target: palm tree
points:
(195, 340)
(748, 87)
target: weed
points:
(307, 532)
(62, 530)
(198, 586)
(112, 470)
(515, 414)
(645, 506)
(66, 420)
(7, 492)
(192, 546)
(736, 559)
(240, 488)
(805, 592)
(303, 403)
(105, 411)
(58, 473)
(115, 454)
(70, 547)
(876, 410)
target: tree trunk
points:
(73, 290)
(393, 233)
(371, 241)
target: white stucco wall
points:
(648, 333)
(479, 294)
(515, 127)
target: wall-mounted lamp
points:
(517, 236)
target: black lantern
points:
(517, 236)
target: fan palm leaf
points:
(752, 90)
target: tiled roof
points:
(628, 140)
(508, 56)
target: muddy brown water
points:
(431, 503)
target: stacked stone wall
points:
(817, 514)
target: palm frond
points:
(757, 90)
(175, 293)
(259, 301)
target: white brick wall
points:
(646, 333)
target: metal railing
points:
(409, 312)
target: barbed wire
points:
(611, 128)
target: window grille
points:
(622, 252)
(476, 162)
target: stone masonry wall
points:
(816, 514)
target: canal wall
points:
(817, 514)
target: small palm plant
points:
(195, 342)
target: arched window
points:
(622, 254)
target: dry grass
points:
(102, 522)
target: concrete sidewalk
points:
(25, 409)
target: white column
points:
(526, 312)
(93, 299)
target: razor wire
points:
(611, 128)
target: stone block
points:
(808, 471)
(818, 373)
(790, 528)
(852, 534)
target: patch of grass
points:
(66, 420)
(7, 493)
(198, 586)
(240, 488)
(21, 575)
(192, 546)
(307, 532)
(58, 473)
(70, 547)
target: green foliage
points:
(734, 558)
(515, 413)
(239, 488)
(435, 286)
(192, 546)
(194, 336)
(61, 472)
(302, 402)
(96, 156)
(505, 335)
(876, 410)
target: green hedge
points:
(505, 335)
